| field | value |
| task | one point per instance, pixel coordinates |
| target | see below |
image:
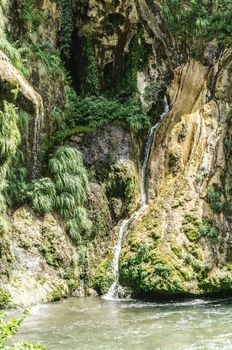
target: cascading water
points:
(113, 291)
(38, 124)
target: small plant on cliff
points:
(208, 229)
(30, 16)
(15, 56)
(9, 133)
(8, 328)
(16, 187)
(49, 57)
(65, 191)
(214, 199)
(43, 195)
(71, 183)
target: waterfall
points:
(113, 291)
(38, 125)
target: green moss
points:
(59, 291)
(139, 52)
(92, 86)
(190, 227)
(123, 183)
(151, 271)
(72, 276)
(5, 298)
(217, 283)
(103, 278)
(213, 197)
(177, 250)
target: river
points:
(96, 324)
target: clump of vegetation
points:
(30, 16)
(43, 195)
(67, 24)
(49, 56)
(214, 199)
(8, 328)
(65, 191)
(92, 86)
(10, 139)
(103, 277)
(208, 229)
(5, 298)
(149, 271)
(14, 54)
(138, 55)
(98, 111)
(209, 19)
(16, 187)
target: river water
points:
(96, 324)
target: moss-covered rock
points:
(103, 278)
(5, 298)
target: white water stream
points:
(113, 291)
(38, 125)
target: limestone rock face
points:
(112, 155)
(42, 263)
(113, 27)
(182, 242)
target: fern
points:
(43, 195)
(9, 133)
(16, 187)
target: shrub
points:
(65, 191)
(208, 229)
(98, 111)
(214, 199)
(16, 187)
(30, 16)
(9, 133)
(49, 57)
(43, 195)
(11, 327)
(15, 56)
(208, 20)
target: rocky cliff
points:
(81, 83)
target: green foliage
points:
(15, 56)
(43, 195)
(71, 183)
(5, 298)
(209, 19)
(103, 277)
(65, 191)
(121, 183)
(9, 133)
(208, 229)
(98, 111)
(16, 187)
(3, 10)
(8, 328)
(30, 16)
(214, 199)
(92, 87)
(138, 54)
(49, 56)
(67, 23)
